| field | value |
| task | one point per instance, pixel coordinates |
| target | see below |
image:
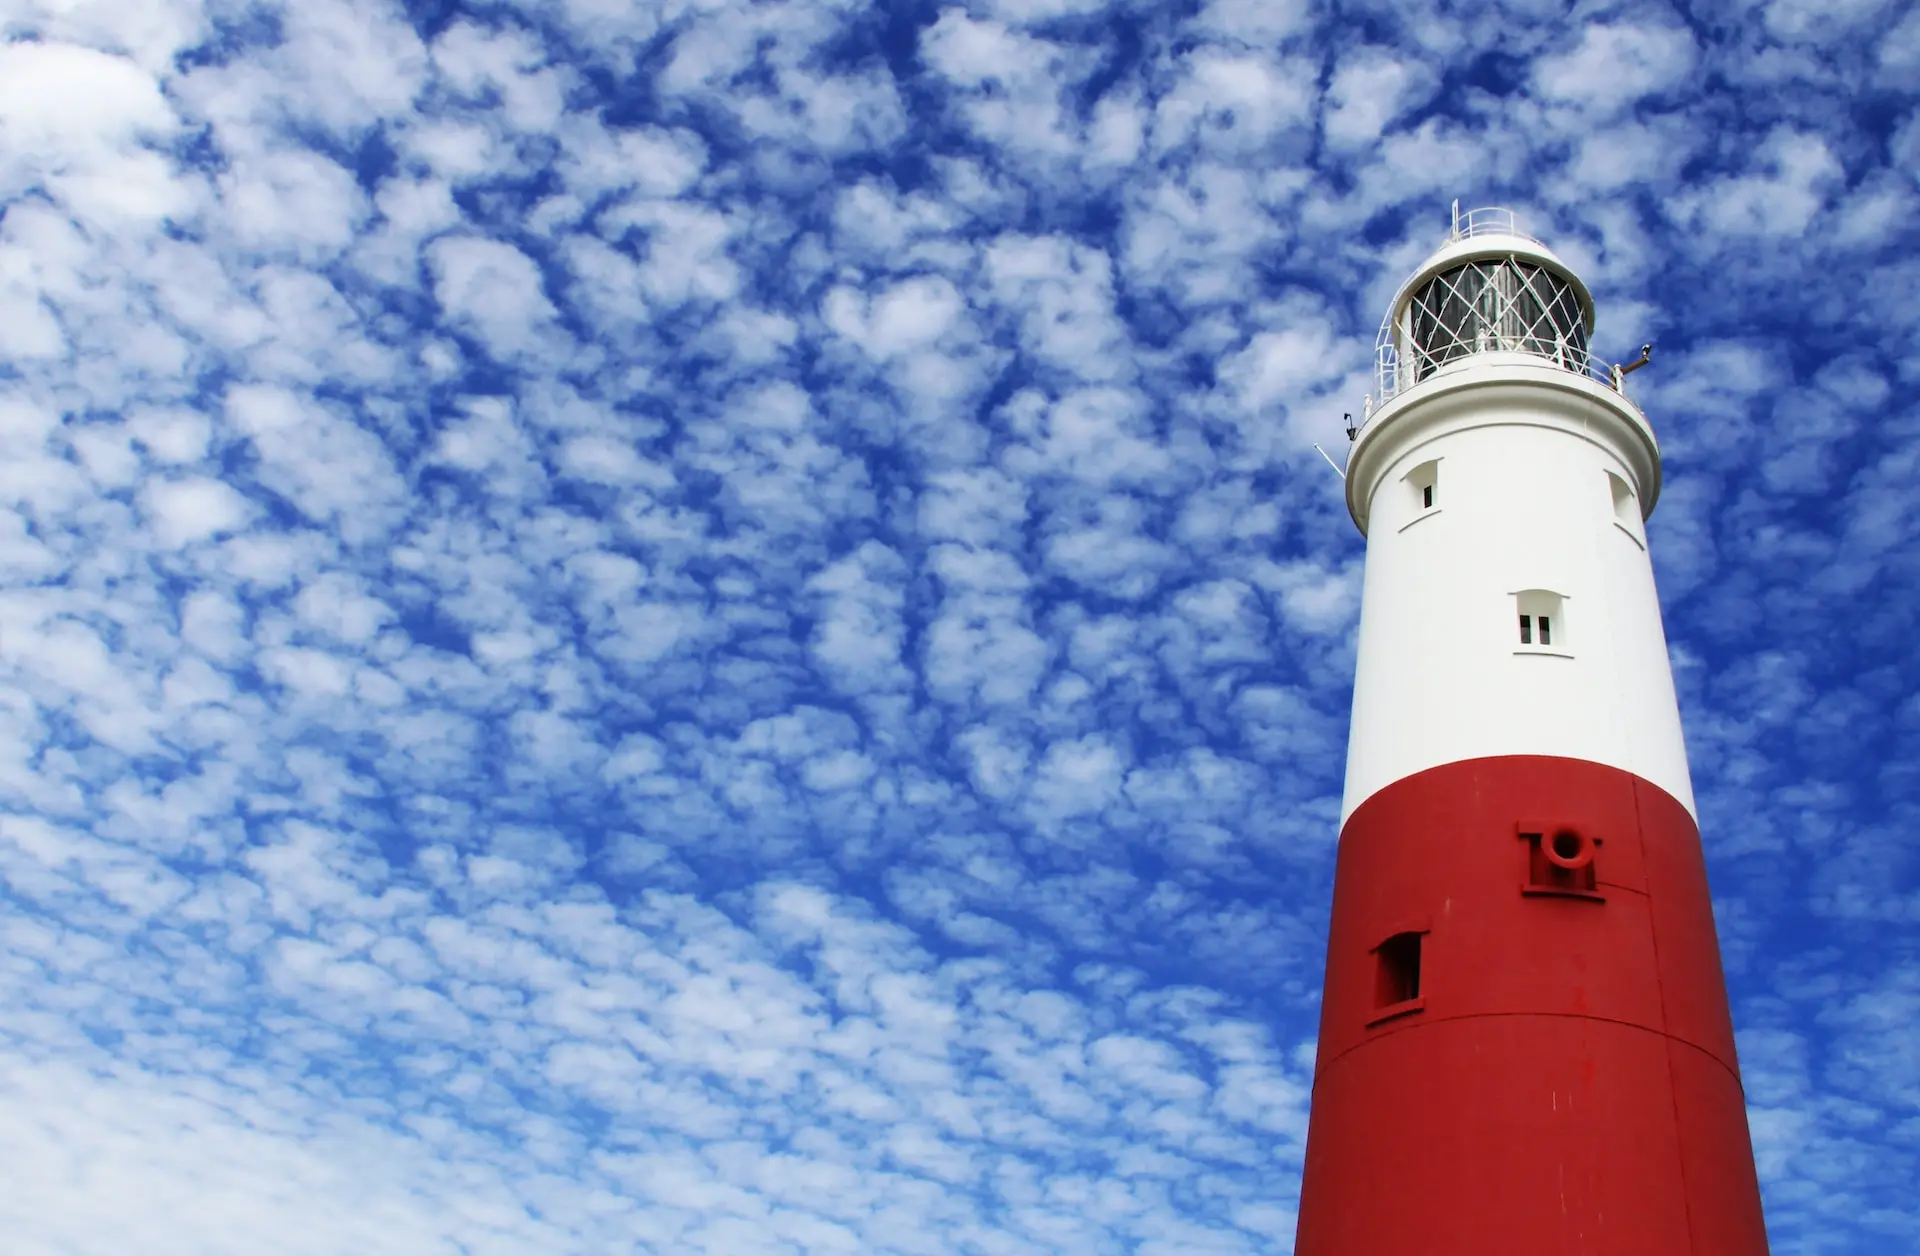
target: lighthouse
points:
(1525, 1047)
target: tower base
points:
(1547, 1066)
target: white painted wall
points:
(1522, 502)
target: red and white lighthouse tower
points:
(1525, 1048)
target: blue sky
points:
(712, 628)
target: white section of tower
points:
(1490, 486)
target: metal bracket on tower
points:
(1620, 372)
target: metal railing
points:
(1389, 380)
(1488, 220)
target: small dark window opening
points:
(1526, 630)
(1562, 861)
(1398, 978)
(1426, 496)
(1546, 630)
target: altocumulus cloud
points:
(713, 628)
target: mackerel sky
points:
(712, 628)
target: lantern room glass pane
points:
(1496, 305)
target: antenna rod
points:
(1330, 462)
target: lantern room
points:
(1490, 289)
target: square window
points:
(1543, 619)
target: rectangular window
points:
(1543, 620)
(1398, 978)
(1625, 509)
(1424, 480)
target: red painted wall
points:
(1565, 1084)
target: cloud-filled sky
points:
(701, 627)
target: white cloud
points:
(859, 637)
(1371, 90)
(1438, 156)
(352, 62)
(152, 35)
(1289, 364)
(472, 60)
(1099, 435)
(1614, 66)
(78, 122)
(1030, 12)
(60, 102)
(1899, 55)
(1110, 553)
(1313, 598)
(493, 288)
(1254, 22)
(332, 470)
(294, 202)
(28, 328)
(186, 511)
(1077, 778)
(653, 161)
(1232, 102)
(687, 250)
(1800, 20)
(1062, 293)
(909, 315)
(1014, 82)
(268, 1179)
(1787, 185)
(973, 52)
(980, 647)
(1631, 152)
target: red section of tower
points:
(1525, 1046)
